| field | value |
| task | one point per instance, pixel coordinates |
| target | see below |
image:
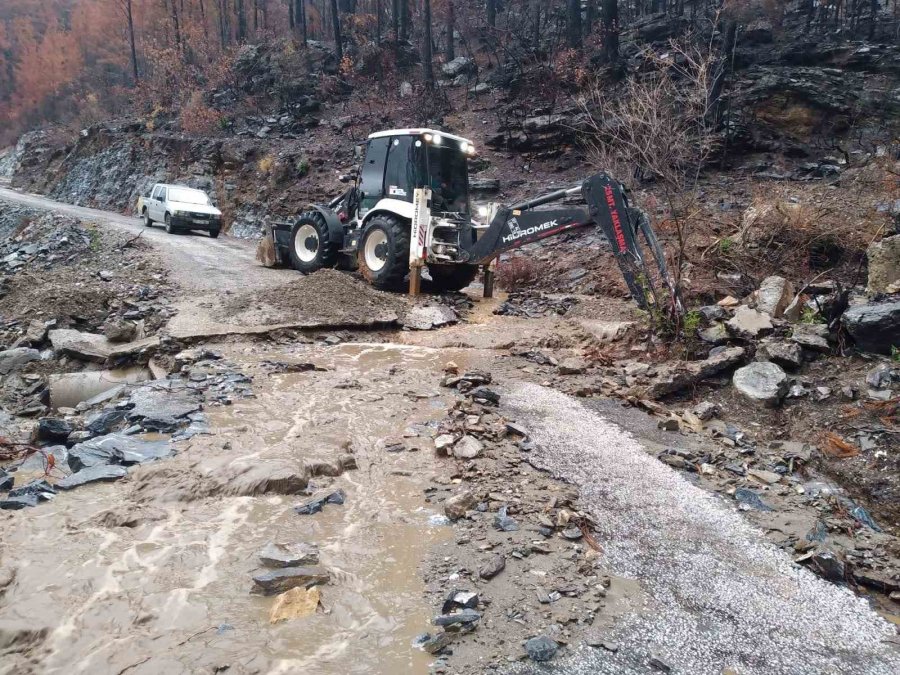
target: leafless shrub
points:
(661, 125)
(518, 272)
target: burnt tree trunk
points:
(427, 48)
(492, 13)
(450, 50)
(610, 23)
(336, 25)
(241, 20)
(573, 24)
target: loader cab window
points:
(372, 174)
(448, 173)
(401, 170)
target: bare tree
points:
(125, 6)
(661, 126)
(241, 20)
(492, 13)
(427, 59)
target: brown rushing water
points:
(171, 594)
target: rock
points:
(12, 360)
(294, 604)
(458, 505)
(659, 664)
(317, 503)
(7, 480)
(874, 327)
(503, 522)
(37, 331)
(884, 264)
(714, 335)
(706, 410)
(813, 336)
(828, 564)
(117, 449)
(768, 477)
(159, 408)
(785, 354)
(460, 600)
(442, 443)
(484, 396)
(484, 184)
(289, 555)
(465, 616)
(541, 648)
(92, 347)
(880, 377)
(571, 366)
(17, 503)
(467, 447)
(749, 324)
(53, 429)
(688, 373)
(104, 421)
(761, 382)
(494, 565)
(711, 313)
(458, 66)
(431, 316)
(92, 474)
(750, 500)
(286, 578)
(120, 331)
(437, 643)
(774, 295)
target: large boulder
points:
(761, 382)
(884, 265)
(874, 327)
(774, 295)
(461, 65)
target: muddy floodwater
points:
(153, 574)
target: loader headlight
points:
(467, 148)
(483, 211)
(437, 140)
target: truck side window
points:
(372, 179)
(155, 193)
(399, 174)
(162, 194)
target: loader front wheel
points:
(383, 253)
(448, 278)
(311, 247)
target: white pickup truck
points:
(181, 209)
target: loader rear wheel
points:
(447, 278)
(383, 253)
(311, 247)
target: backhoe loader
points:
(408, 209)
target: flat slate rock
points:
(161, 408)
(93, 347)
(117, 449)
(286, 578)
(289, 555)
(92, 474)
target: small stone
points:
(467, 447)
(571, 366)
(706, 410)
(492, 567)
(53, 429)
(541, 648)
(768, 477)
(774, 295)
(670, 424)
(318, 502)
(503, 522)
(813, 336)
(465, 616)
(458, 505)
(442, 442)
(92, 474)
(572, 533)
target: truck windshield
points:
(186, 196)
(448, 174)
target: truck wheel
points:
(311, 248)
(169, 228)
(383, 253)
(214, 234)
(447, 278)
(147, 221)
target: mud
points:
(327, 298)
(166, 573)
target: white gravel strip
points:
(721, 596)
